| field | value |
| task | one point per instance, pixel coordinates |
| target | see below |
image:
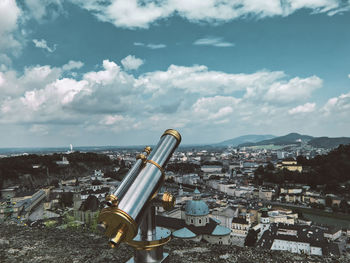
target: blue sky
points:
(74, 71)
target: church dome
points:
(196, 207)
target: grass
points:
(323, 217)
(267, 147)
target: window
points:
(200, 221)
(191, 221)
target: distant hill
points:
(330, 170)
(290, 138)
(326, 142)
(252, 138)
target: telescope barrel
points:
(129, 178)
(150, 178)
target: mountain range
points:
(252, 138)
(289, 139)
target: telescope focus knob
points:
(168, 201)
(112, 200)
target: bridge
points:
(33, 202)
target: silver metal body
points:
(146, 184)
(148, 231)
(128, 180)
(141, 255)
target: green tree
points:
(335, 208)
(66, 199)
(270, 166)
(343, 206)
(328, 201)
(251, 238)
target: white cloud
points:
(131, 62)
(44, 9)
(13, 18)
(39, 129)
(150, 45)
(111, 100)
(338, 105)
(140, 14)
(9, 13)
(294, 89)
(9, 16)
(111, 119)
(262, 86)
(72, 65)
(213, 41)
(43, 44)
(215, 108)
(306, 108)
(156, 46)
(138, 44)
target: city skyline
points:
(122, 72)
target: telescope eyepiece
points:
(119, 237)
(112, 200)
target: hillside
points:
(252, 138)
(326, 142)
(290, 138)
(19, 170)
(26, 244)
(330, 170)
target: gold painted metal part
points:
(148, 150)
(157, 165)
(112, 199)
(116, 221)
(142, 157)
(149, 245)
(119, 237)
(168, 201)
(174, 133)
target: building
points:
(332, 233)
(290, 165)
(240, 226)
(8, 193)
(197, 224)
(64, 162)
(98, 175)
(225, 215)
(265, 194)
(297, 239)
(211, 168)
(88, 210)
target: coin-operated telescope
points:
(130, 214)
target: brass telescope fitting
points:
(174, 133)
(112, 200)
(168, 201)
(119, 237)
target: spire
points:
(197, 194)
(181, 190)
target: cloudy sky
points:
(120, 72)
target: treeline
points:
(330, 170)
(183, 168)
(11, 168)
